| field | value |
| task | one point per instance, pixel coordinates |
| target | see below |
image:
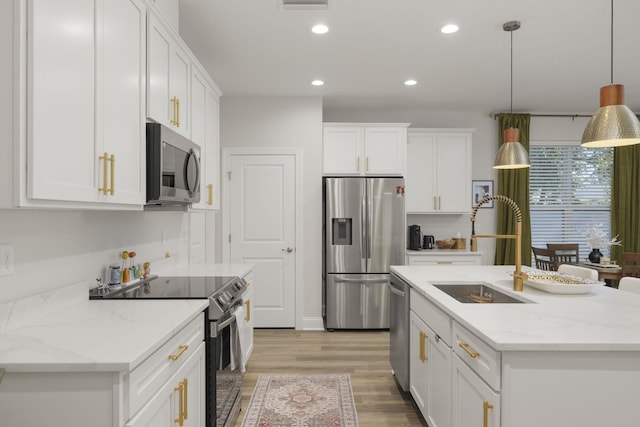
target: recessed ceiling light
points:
(449, 28)
(320, 29)
(317, 82)
(410, 82)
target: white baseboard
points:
(312, 324)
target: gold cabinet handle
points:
(210, 188)
(423, 355)
(445, 262)
(439, 203)
(105, 159)
(367, 164)
(180, 390)
(178, 115)
(468, 349)
(435, 203)
(358, 167)
(247, 317)
(174, 120)
(186, 399)
(113, 174)
(485, 409)
(181, 349)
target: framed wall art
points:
(480, 189)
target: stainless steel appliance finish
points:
(173, 169)
(399, 330)
(363, 234)
(225, 296)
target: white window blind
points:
(570, 189)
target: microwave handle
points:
(194, 187)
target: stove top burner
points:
(222, 291)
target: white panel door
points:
(262, 232)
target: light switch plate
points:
(6, 260)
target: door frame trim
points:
(227, 153)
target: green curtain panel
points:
(625, 200)
(513, 183)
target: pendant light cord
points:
(511, 107)
(612, 42)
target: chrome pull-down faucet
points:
(518, 275)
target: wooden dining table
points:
(610, 272)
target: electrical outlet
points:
(6, 260)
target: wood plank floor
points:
(364, 355)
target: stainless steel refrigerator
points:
(363, 234)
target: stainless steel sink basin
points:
(476, 293)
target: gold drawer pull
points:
(485, 409)
(423, 355)
(247, 316)
(181, 350)
(470, 352)
(445, 262)
(210, 200)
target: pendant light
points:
(512, 154)
(614, 124)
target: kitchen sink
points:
(476, 293)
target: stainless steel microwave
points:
(173, 168)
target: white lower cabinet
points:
(247, 325)
(167, 389)
(430, 367)
(454, 377)
(180, 401)
(474, 402)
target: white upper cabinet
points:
(169, 9)
(438, 178)
(364, 148)
(205, 131)
(168, 76)
(80, 79)
(120, 106)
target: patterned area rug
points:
(302, 400)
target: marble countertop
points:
(604, 319)
(64, 331)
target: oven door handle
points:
(219, 327)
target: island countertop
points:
(604, 319)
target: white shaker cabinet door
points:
(454, 172)
(473, 400)
(168, 75)
(420, 182)
(61, 152)
(385, 150)
(342, 150)
(120, 106)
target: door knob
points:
(288, 250)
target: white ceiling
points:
(561, 52)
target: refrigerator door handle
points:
(340, 280)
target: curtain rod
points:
(573, 116)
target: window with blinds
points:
(570, 189)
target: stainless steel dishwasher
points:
(399, 330)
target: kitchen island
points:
(555, 360)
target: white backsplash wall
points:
(54, 248)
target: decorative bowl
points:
(445, 244)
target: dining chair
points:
(576, 270)
(566, 253)
(545, 259)
(630, 284)
(630, 264)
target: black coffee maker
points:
(415, 237)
